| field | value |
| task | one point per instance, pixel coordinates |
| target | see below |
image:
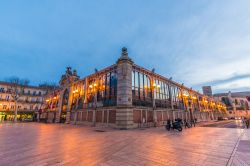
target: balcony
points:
(22, 94)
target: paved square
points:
(59, 144)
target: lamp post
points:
(153, 97)
(154, 87)
(190, 108)
(195, 103)
(95, 103)
(184, 101)
(94, 88)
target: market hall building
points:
(125, 95)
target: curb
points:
(230, 161)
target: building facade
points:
(237, 103)
(125, 95)
(28, 100)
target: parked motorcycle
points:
(175, 126)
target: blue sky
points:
(197, 42)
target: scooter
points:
(174, 126)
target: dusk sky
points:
(197, 42)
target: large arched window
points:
(141, 89)
(105, 86)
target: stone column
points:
(58, 113)
(171, 102)
(154, 108)
(86, 85)
(124, 112)
(68, 114)
(199, 104)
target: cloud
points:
(231, 79)
(197, 43)
(235, 85)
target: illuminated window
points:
(105, 87)
(141, 89)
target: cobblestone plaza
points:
(60, 144)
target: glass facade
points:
(107, 91)
(103, 87)
(141, 89)
(145, 90)
(100, 90)
(78, 95)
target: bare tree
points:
(17, 87)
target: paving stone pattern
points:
(242, 152)
(58, 144)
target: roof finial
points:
(124, 52)
(124, 55)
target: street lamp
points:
(76, 95)
(153, 97)
(95, 103)
(95, 88)
(154, 87)
(190, 108)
